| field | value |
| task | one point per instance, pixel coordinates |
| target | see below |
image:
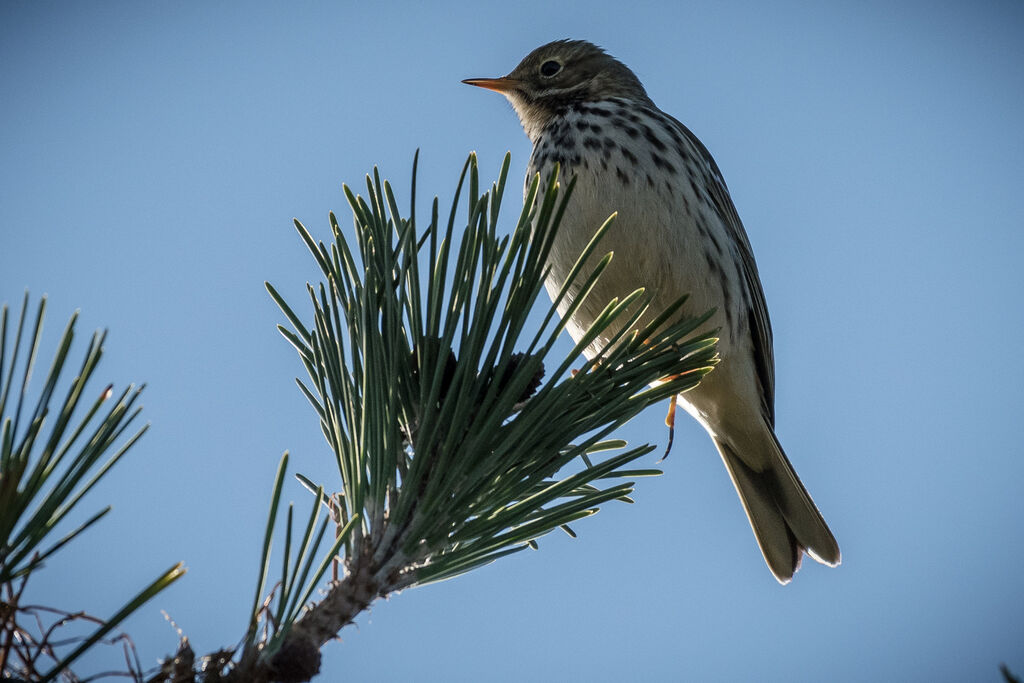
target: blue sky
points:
(152, 157)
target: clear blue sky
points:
(153, 155)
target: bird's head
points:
(557, 75)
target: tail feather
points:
(785, 520)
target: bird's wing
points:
(760, 325)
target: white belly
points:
(668, 239)
(655, 245)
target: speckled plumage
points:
(676, 232)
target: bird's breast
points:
(663, 237)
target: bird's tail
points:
(781, 513)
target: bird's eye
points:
(550, 68)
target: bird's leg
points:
(670, 422)
(670, 419)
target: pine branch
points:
(459, 439)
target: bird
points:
(676, 232)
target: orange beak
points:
(502, 85)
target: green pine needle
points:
(459, 437)
(50, 457)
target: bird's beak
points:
(502, 85)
